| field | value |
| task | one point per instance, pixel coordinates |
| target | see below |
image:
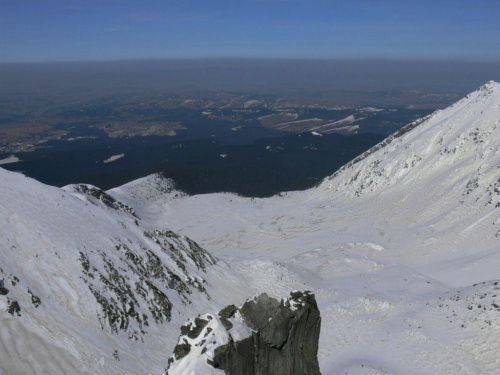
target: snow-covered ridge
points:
(77, 267)
(458, 135)
(442, 175)
(151, 191)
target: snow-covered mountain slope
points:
(95, 290)
(88, 286)
(440, 182)
(391, 245)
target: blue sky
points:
(67, 30)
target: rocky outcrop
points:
(139, 282)
(263, 336)
(98, 197)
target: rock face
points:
(263, 336)
(284, 338)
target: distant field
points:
(248, 144)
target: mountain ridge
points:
(93, 268)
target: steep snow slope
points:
(441, 182)
(92, 285)
(391, 245)
(86, 286)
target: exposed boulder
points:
(3, 290)
(14, 308)
(263, 336)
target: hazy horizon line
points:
(274, 59)
(268, 75)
